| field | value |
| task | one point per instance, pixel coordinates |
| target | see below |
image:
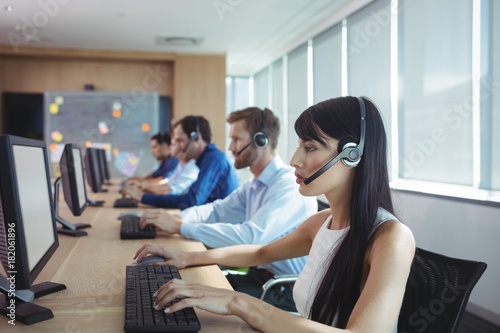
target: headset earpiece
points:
(194, 135)
(352, 155)
(260, 138)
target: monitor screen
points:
(34, 199)
(73, 181)
(26, 206)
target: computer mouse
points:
(131, 213)
(149, 259)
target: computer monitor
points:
(93, 169)
(74, 191)
(28, 234)
(103, 162)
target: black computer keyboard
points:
(125, 203)
(129, 228)
(140, 316)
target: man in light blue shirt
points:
(260, 211)
(179, 182)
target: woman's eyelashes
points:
(309, 148)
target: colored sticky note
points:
(145, 127)
(54, 108)
(103, 127)
(59, 100)
(56, 136)
(117, 113)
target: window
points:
(296, 92)
(261, 89)
(278, 106)
(369, 59)
(327, 64)
(494, 93)
(432, 68)
(435, 129)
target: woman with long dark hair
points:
(359, 253)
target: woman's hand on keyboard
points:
(211, 299)
(177, 258)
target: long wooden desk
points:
(93, 269)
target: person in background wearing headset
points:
(359, 253)
(260, 211)
(160, 148)
(217, 176)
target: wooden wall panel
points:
(200, 89)
(30, 74)
(196, 83)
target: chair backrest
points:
(437, 292)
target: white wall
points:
(461, 229)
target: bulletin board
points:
(120, 122)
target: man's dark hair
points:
(162, 137)
(196, 124)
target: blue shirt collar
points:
(267, 175)
(208, 148)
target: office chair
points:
(436, 294)
(272, 290)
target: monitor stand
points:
(17, 305)
(67, 227)
(95, 203)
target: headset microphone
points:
(351, 152)
(325, 167)
(242, 149)
(187, 146)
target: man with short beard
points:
(260, 211)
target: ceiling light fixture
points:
(9, 8)
(178, 41)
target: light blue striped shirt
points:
(258, 212)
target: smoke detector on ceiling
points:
(178, 41)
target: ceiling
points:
(252, 33)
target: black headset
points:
(260, 138)
(351, 152)
(194, 135)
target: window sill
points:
(449, 191)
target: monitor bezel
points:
(68, 174)
(8, 184)
(103, 162)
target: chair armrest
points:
(277, 280)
